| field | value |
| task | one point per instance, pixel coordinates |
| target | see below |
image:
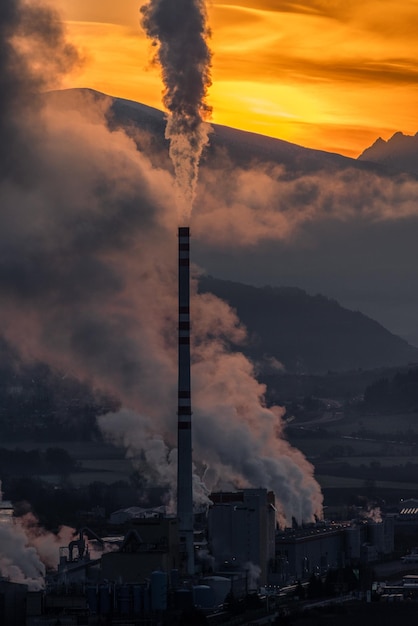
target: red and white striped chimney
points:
(184, 467)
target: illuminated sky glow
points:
(327, 74)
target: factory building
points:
(301, 552)
(241, 530)
(406, 520)
(382, 535)
(151, 544)
(12, 603)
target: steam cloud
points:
(246, 206)
(26, 549)
(180, 30)
(19, 562)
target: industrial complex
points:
(147, 567)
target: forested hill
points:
(308, 334)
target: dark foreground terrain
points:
(358, 614)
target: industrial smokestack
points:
(184, 468)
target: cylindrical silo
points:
(159, 591)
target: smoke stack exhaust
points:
(184, 468)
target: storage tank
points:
(220, 585)
(353, 542)
(174, 579)
(377, 536)
(104, 599)
(123, 595)
(184, 599)
(159, 590)
(137, 597)
(92, 603)
(203, 597)
(146, 598)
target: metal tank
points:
(159, 591)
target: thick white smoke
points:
(238, 441)
(19, 562)
(245, 206)
(26, 549)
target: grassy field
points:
(79, 450)
(332, 443)
(378, 423)
(341, 482)
(376, 446)
(316, 447)
(366, 435)
(98, 462)
(383, 461)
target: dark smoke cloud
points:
(75, 199)
(180, 30)
(33, 55)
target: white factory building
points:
(241, 530)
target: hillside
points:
(243, 147)
(309, 333)
(327, 223)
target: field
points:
(354, 456)
(340, 482)
(361, 456)
(381, 424)
(78, 449)
(106, 471)
(97, 462)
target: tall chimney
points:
(184, 468)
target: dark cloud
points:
(34, 54)
(75, 199)
(181, 32)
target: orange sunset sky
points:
(327, 74)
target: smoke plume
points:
(27, 549)
(180, 31)
(246, 206)
(253, 575)
(34, 54)
(237, 439)
(372, 513)
(20, 562)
